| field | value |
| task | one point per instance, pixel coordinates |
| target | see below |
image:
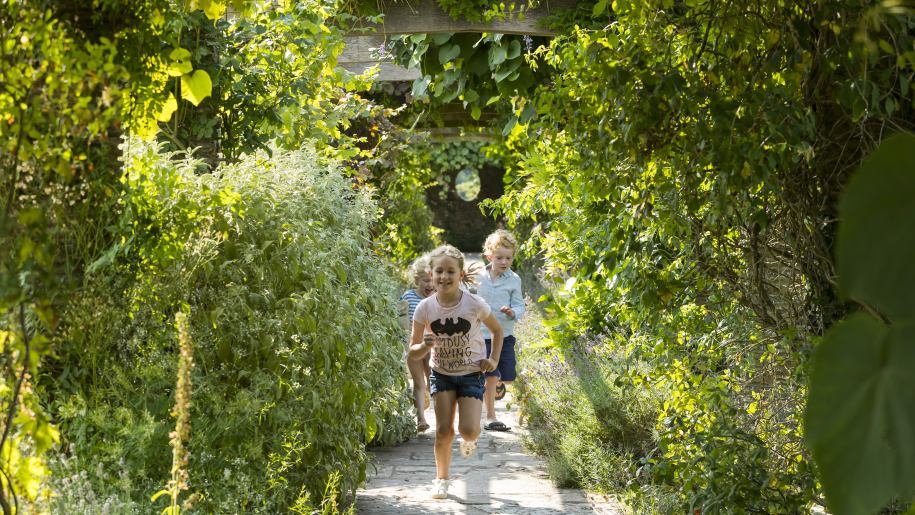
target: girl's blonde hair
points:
(499, 238)
(419, 267)
(470, 272)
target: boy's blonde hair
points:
(470, 273)
(419, 267)
(499, 238)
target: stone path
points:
(498, 479)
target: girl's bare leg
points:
(469, 410)
(444, 431)
(419, 390)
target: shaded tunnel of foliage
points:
(674, 166)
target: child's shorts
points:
(470, 385)
(506, 369)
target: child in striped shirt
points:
(419, 368)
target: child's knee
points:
(469, 431)
(445, 431)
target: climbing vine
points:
(677, 177)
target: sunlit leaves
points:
(168, 108)
(179, 62)
(196, 86)
(213, 9)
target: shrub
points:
(297, 350)
(593, 433)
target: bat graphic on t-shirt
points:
(450, 327)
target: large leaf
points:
(497, 54)
(179, 62)
(420, 86)
(448, 53)
(196, 86)
(860, 420)
(876, 241)
(514, 49)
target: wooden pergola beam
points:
(426, 17)
(362, 52)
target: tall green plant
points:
(182, 413)
(297, 364)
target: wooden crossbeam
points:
(361, 53)
(426, 17)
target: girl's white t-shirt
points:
(459, 346)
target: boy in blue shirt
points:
(500, 287)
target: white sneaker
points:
(467, 447)
(440, 488)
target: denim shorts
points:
(507, 361)
(470, 385)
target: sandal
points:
(495, 425)
(500, 391)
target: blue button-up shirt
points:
(505, 290)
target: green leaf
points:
(179, 62)
(371, 429)
(471, 96)
(441, 39)
(860, 419)
(168, 108)
(214, 10)
(420, 86)
(876, 241)
(507, 129)
(196, 86)
(497, 55)
(448, 53)
(505, 71)
(599, 8)
(514, 50)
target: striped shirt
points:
(412, 299)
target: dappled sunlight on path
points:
(500, 478)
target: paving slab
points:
(499, 479)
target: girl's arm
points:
(420, 344)
(492, 323)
